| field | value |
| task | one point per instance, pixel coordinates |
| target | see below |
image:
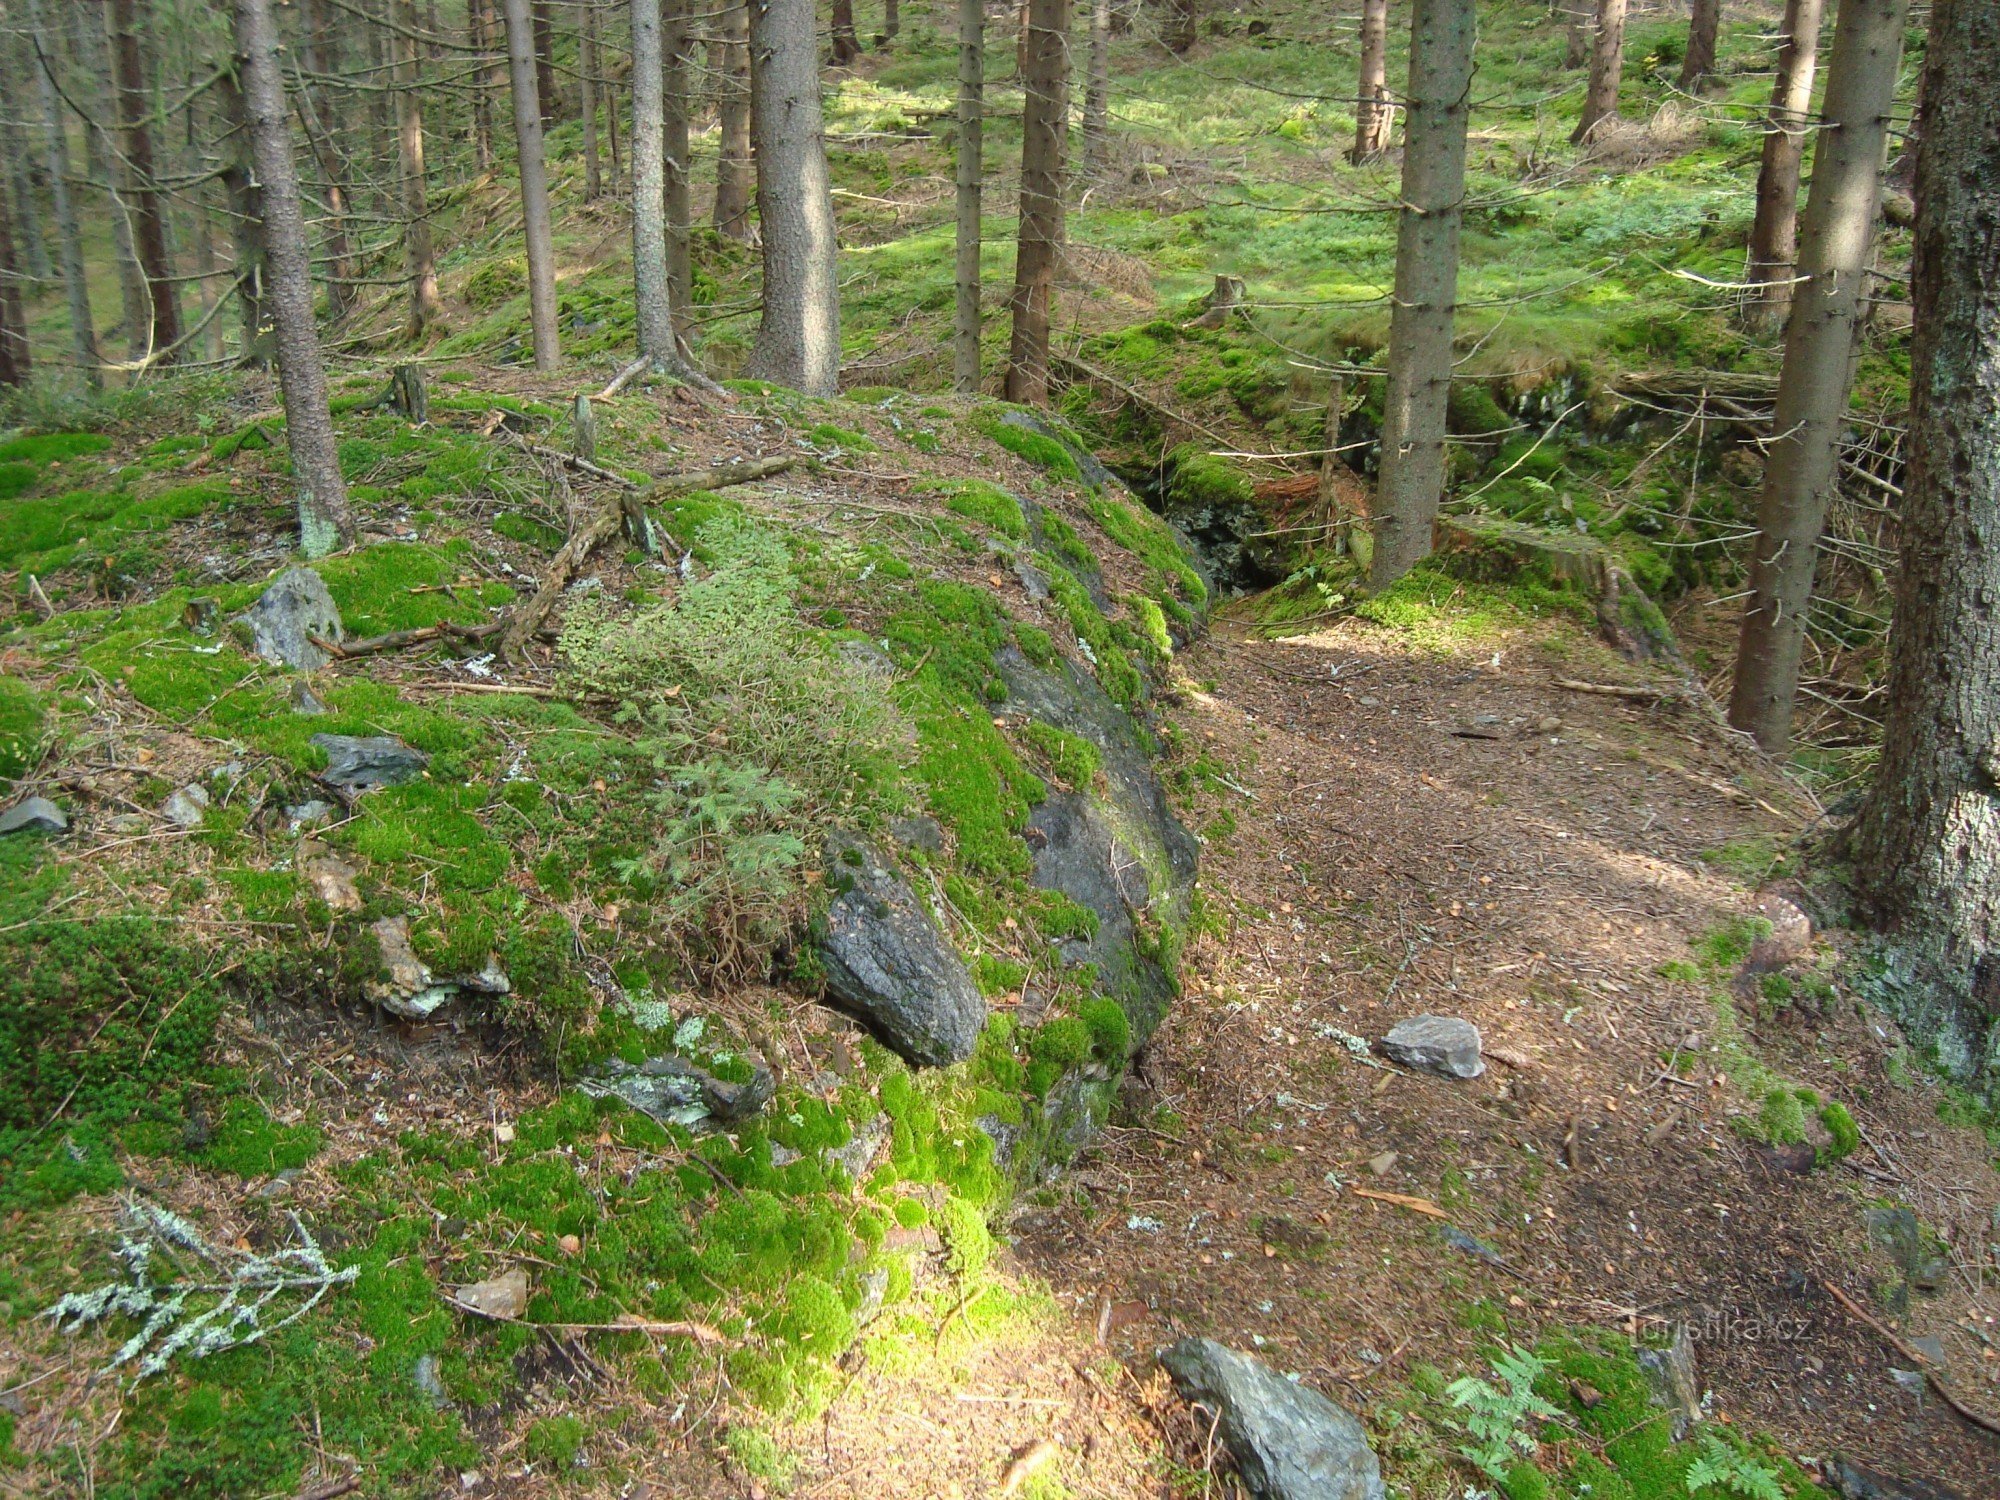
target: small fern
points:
(1719, 1465)
(1497, 1420)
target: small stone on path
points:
(1445, 1045)
(279, 627)
(33, 815)
(187, 807)
(1289, 1442)
(361, 762)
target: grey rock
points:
(1444, 1045)
(918, 833)
(858, 1155)
(1289, 1442)
(127, 824)
(1472, 1245)
(1671, 1374)
(887, 962)
(306, 814)
(1789, 939)
(502, 1296)
(867, 658)
(329, 875)
(676, 1092)
(490, 980)
(405, 986)
(874, 1292)
(727, 1101)
(305, 702)
(359, 763)
(186, 807)
(33, 815)
(1087, 463)
(1032, 580)
(1897, 1232)
(294, 608)
(1853, 1482)
(429, 1378)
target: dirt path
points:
(1448, 831)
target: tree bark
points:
(676, 40)
(1774, 231)
(419, 258)
(1926, 847)
(323, 135)
(97, 108)
(892, 21)
(971, 134)
(15, 363)
(76, 283)
(1411, 481)
(593, 171)
(1372, 109)
(798, 334)
(846, 46)
(1097, 88)
(149, 219)
(1698, 61)
(326, 522)
(479, 18)
(547, 94)
(246, 223)
(734, 173)
(1835, 248)
(534, 186)
(1044, 133)
(1607, 70)
(1178, 25)
(651, 287)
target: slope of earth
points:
(1416, 818)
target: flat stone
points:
(887, 962)
(406, 987)
(33, 815)
(305, 702)
(1444, 1045)
(279, 626)
(1853, 1482)
(1289, 1442)
(502, 1296)
(676, 1092)
(187, 807)
(330, 876)
(307, 813)
(920, 832)
(867, 658)
(1670, 1372)
(360, 763)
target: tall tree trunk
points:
(1774, 231)
(107, 168)
(971, 136)
(676, 41)
(798, 335)
(1835, 248)
(734, 172)
(892, 21)
(1927, 845)
(1044, 133)
(1607, 70)
(15, 364)
(1698, 61)
(479, 16)
(1177, 26)
(846, 46)
(1372, 109)
(149, 219)
(326, 523)
(246, 222)
(1097, 88)
(593, 173)
(205, 263)
(20, 159)
(76, 282)
(419, 258)
(651, 287)
(534, 185)
(545, 63)
(1411, 482)
(324, 137)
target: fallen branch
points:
(1618, 690)
(701, 1333)
(1401, 1200)
(398, 640)
(1915, 1357)
(583, 466)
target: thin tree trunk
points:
(1372, 109)
(1411, 482)
(98, 108)
(323, 136)
(20, 158)
(1774, 231)
(892, 21)
(1607, 70)
(846, 47)
(205, 263)
(798, 335)
(534, 185)
(1178, 25)
(612, 109)
(1698, 61)
(76, 281)
(479, 16)
(676, 40)
(545, 63)
(1044, 132)
(246, 223)
(418, 255)
(971, 133)
(1926, 849)
(149, 222)
(734, 172)
(1835, 248)
(652, 259)
(326, 523)
(15, 364)
(1097, 88)
(593, 175)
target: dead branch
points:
(1618, 690)
(1977, 1419)
(701, 1333)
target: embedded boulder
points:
(362, 762)
(33, 815)
(887, 962)
(1289, 1442)
(281, 625)
(676, 1092)
(1444, 1045)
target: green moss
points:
(968, 1242)
(495, 282)
(1196, 478)
(1110, 1031)
(1841, 1127)
(556, 1441)
(1725, 948)
(827, 435)
(1072, 759)
(20, 728)
(1044, 453)
(1781, 1119)
(989, 505)
(248, 1142)
(1153, 542)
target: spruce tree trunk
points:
(323, 135)
(1835, 248)
(479, 18)
(846, 46)
(1774, 231)
(1410, 485)
(1044, 133)
(76, 282)
(676, 40)
(534, 185)
(971, 134)
(798, 334)
(106, 168)
(418, 256)
(1607, 70)
(326, 523)
(15, 363)
(1178, 25)
(1097, 88)
(892, 20)
(593, 170)
(246, 223)
(1698, 62)
(31, 237)
(1372, 110)
(735, 175)
(1927, 845)
(149, 217)
(650, 287)
(547, 94)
